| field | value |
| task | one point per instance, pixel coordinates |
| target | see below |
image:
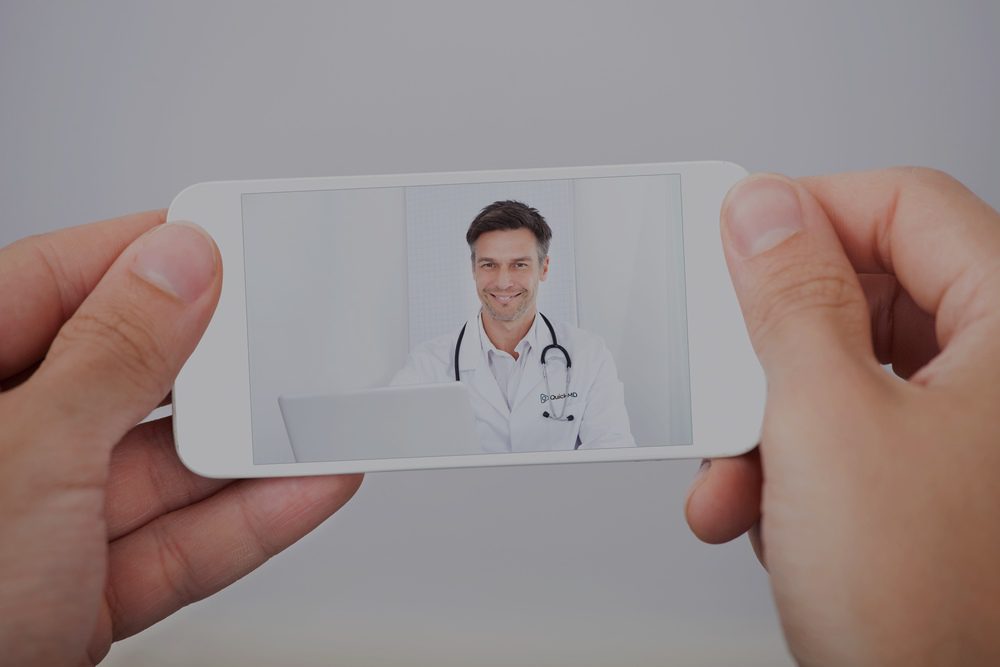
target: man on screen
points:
(535, 384)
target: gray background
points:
(114, 107)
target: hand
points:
(878, 500)
(102, 531)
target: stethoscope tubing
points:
(554, 346)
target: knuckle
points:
(928, 177)
(25, 244)
(125, 335)
(177, 570)
(263, 544)
(789, 292)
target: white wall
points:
(326, 299)
(630, 276)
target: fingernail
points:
(761, 212)
(178, 258)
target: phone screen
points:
(358, 289)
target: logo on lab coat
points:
(555, 397)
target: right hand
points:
(877, 500)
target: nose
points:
(504, 280)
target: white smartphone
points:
(522, 317)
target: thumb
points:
(804, 308)
(115, 359)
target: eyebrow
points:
(490, 259)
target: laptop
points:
(387, 422)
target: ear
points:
(545, 269)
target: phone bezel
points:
(211, 395)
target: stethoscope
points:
(549, 396)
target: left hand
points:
(103, 531)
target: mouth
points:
(504, 299)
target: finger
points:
(939, 239)
(803, 305)
(192, 553)
(756, 535)
(117, 357)
(147, 480)
(19, 378)
(45, 278)
(902, 333)
(167, 400)
(724, 500)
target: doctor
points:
(536, 384)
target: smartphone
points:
(482, 318)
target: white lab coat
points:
(600, 420)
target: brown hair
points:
(509, 214)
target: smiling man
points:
(536, 384)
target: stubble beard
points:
(504, 317)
